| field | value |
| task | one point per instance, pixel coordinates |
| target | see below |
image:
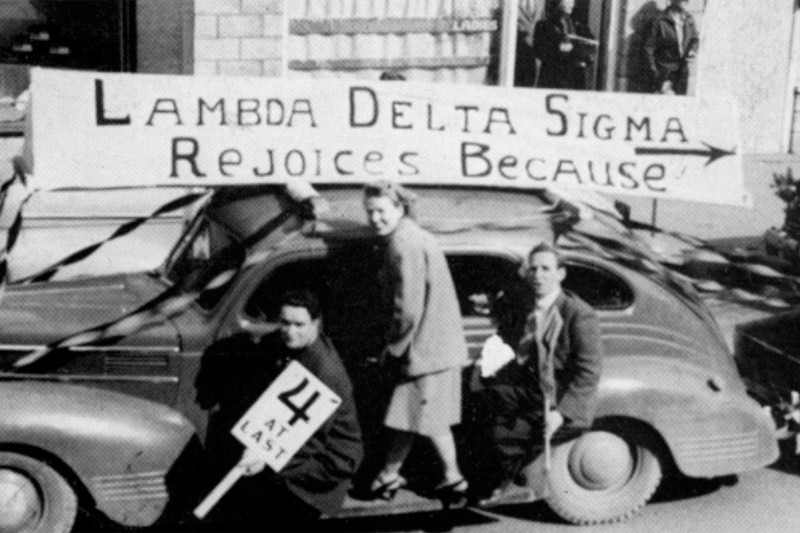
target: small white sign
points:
(286, 415)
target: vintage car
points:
(107, 427)
(767, 353)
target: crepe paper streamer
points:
(745, 296)
(172, 302)
(760, 270)
(702, 255)
(708, 285)
(126, 228)
(13, 231)
(777, 303)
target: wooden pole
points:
(613, 36)
(508, 43)
(653, 216)
(219, 491)
(547, 446)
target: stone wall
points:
(238, 37)
(717, 222)
(745, 51)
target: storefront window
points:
(75, 34)
(559, 44)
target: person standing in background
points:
(525, 64)
(560, 44)
(671, 42)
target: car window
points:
(479, 279)
(348, 283)
(600, 288)
(201, 245)
(349, 279)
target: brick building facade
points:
(747, 50)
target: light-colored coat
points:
(426, 328)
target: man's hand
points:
(666, 87)
(553, 421)
(251, 462)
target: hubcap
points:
(20, 505)
(600, 461)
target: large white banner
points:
(99, 130)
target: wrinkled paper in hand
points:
(495, 354)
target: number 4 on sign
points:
(277, 425)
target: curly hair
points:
(398, 194)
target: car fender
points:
(120, 447)
(711, 427)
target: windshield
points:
(198, 248)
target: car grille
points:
(123, 487)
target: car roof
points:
(442, 210)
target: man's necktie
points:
(547, 332)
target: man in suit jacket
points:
(234, 373)
(556, 338)
(670, 43)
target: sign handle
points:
(219, 491)
(547, 448)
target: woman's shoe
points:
(454, 493)
(385, 488)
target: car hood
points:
(40, 313)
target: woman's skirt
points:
(427, 405)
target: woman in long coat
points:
(559, 44)
(425, 346)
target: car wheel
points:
(600, 478)
(34, 498)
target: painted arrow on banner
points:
(712, 152)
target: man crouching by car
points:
(549, 382)
(234, 373)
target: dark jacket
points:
(563, 60)
(578, 352)
(426, 329)
(662, 53)
(237, 370)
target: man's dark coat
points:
(577, 358)
(663, 55)
(560, 68)
(237, 370)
